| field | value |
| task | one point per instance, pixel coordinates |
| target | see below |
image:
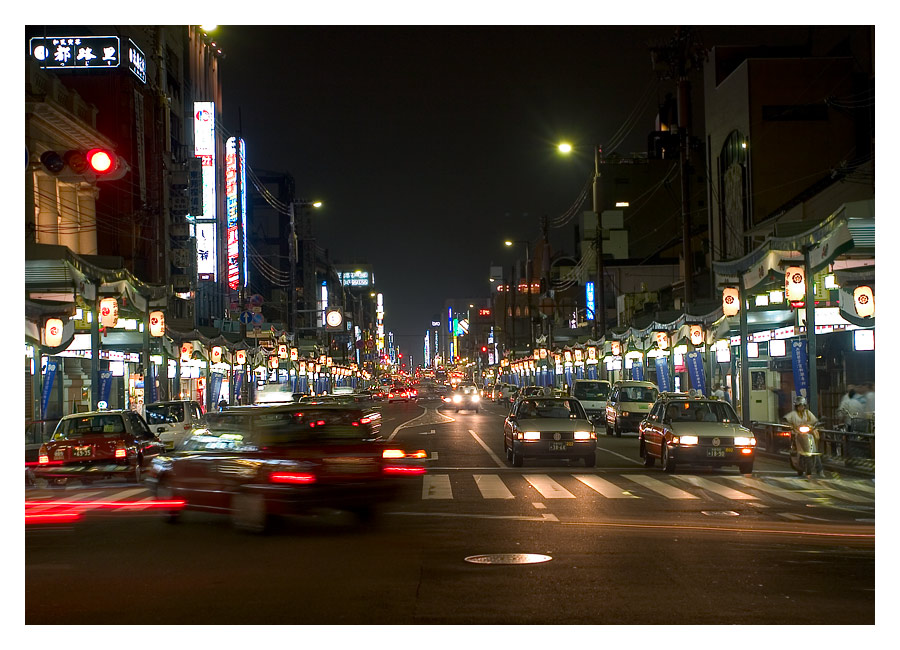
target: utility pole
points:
(599, 290)
(675, 59)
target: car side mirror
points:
(160, 430)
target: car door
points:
(147, 441)
(508, 425)
(611, 407)
(651, 430)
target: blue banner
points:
(800, 363)
(105, 385)
(215, 387)
(150, 394)
(49, 374)
(662, 374)
(695, 371)
(238, 380)
(637, 370)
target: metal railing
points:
(850, 448)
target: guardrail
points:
(850, 448)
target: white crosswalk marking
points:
(762, 486)
(862, 486)
(607, 489)
(492, 487)
(123, 494)
(668, 491)
(78, 496)
(824, 487)
(723, 490)
(436, 486)
(548, 488)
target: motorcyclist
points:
(800, 416)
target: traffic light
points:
(483, 349)
(97, 163)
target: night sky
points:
(430, 145)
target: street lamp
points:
(528, 274)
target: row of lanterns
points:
(109, 317)
(795, 290)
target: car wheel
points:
(164, 492)
(508, 454)
(249, 513)
(746, 468)
(666, 461)
(649, 461)
(590, 460)
(56, 483)
(618, 428)
(609, 430)
(366, 515)
(476, 410)
(517, 459)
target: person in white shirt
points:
(850, 407)
(869, 405)
(800, 416)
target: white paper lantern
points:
(795, 283)
(696, 335)
(282, 351)
(240, 357)
(662, 340)
(864, 300)
(187, 350)
(216, 354)
(53, 332)
(731, 303)
(295, 354)
(616, 348)
(157, 323)
(273, 362)
(109, 312)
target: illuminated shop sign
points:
(236, 210)
(589, 299)
(355, 278)
(137, 62)
(206, 249)
(205, 150)
(76, 52)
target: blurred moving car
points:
(464, 396)
(98, 444)
(173, 420)
(259, 463)
(398, 393)
(628, 404)
(690, 431)
(549, 427)
(592, 393)
(503, 392)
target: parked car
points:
(258, 463)
(554, 427)
(98, 444)
(592, 393)
(688, 431)
(628, 404)
(174, 420)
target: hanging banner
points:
(238, 380)
(662, 374)
(215, 386)
(49, 374)
(800, 363)
(150, 387)
(637, 370)
(105, 385)
(695, 371)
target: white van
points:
(592, 393)
(177, 417)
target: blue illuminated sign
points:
(589, 299)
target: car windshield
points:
(467, 390)
(591, 391)
(638, 394)
(165, 413)
(109, 425)
(550, 408)
(701, 411)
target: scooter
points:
(804, 450)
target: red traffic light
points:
(100, 161)
(484, 348)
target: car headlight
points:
(625, 414)
(744, 441)
(475, 398)
(457, 398)
(532, 435)
(689, 440)
(582, 435)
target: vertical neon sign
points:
(205, 150)
(236, 212)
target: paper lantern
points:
(662, 340)
(568, 356)
(794, 283)
(578, 355)
(301, 367)
(109, 312)
(864, 300)
(696, 335)
(53, 332)
(616, 348)
(329, 361)
(282, 351)
(731, 303)
(295, 354)
(215, 355)
(240, 357)
(187, 349)
(157, 323)
(273, 362)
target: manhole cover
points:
(508, 558)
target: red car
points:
(259, 463)
(96, 445)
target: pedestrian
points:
(869, 404)
(718, 392)
(223, 404)
(850, 407)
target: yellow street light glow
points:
(565, 147)
(317, 204)
(208, 28)
(508, 243)
(622, 204)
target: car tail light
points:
(392, 453)
(746, 450)
(120, 452)
(369, 418)
(390, 394)
(43, 456)
(404, 470)
(292, 478)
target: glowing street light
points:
(565, 147)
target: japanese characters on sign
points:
(71, 52)
(137, 62)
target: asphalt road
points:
(626, 545)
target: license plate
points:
(558, 446)
(82, 451)
(715, 453)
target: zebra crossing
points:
(681, 487)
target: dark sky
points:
(430, 145)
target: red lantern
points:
(109, 312)
(157, 323)
(53, 332)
